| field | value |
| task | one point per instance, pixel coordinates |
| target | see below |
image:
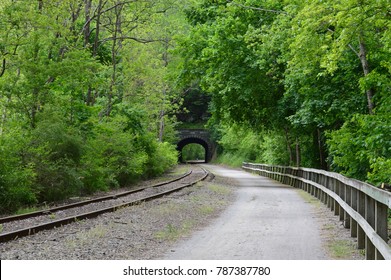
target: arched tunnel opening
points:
(193, 150)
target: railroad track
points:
(17, 226)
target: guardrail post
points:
(348, 198)
(291, 180)
(326, 199)
(336, 190)
(381, 218)
(341, 193)
(361, 211)
(322, 196)
(370, 250)
(353, 222)
(279, 177)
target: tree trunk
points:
(40, 5)
(322, 158)
(4, 116)
(3, 68)
(116, 46)
(289, 146)
(86, 34)
(164, 93)
(87, 25)
(161, 126)
(365, 65)
(97, 28)
(34, 108)
(298, 155)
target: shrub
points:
(55, 151)
(163, 158)
(16, 177)
(362, 148)
(242, 144)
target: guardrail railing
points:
(362, 207)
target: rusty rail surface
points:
(85, 202)
(362, 207)
(8, 236)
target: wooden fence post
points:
(341, 194)
(381, 225)
(336, 190)
(348, 198)
(370, 250)
(361, 211)
(353, 222)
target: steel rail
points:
(58, 223)
(85, 202)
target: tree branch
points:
(104, 11)
(140, 40)
(3, 68)
(349, 45)
(257, 8)
(116, 5)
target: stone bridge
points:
(196, 136)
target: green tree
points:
(71, 119)
(307, 70)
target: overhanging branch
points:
(2, 68)
(140, 40)
(257, 8)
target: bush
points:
(16, 177)
(243, 144)
(117, 156)
(55, 151)
(111, 159)
(362, 148)
(381, 170)
(53, 162)
(163, 158)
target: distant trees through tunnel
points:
(193, 152)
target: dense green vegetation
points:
(87, 96)
(304, 83)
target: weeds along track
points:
(23, 225)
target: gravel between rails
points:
(144, 231)
(58, 215)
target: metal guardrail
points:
(362, 207)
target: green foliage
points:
(193, 152)
(217, 54)
(55, 152)
(293, 72)
(361, 148)
(113, 148)
(244, 144)
(81, 100)
(16, 177)
(163, 157)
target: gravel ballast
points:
(144, 231)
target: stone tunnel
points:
(196, 136)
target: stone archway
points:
(196, 136)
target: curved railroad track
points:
(17, 226)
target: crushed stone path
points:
(268, 220)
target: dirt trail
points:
(268, 220)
